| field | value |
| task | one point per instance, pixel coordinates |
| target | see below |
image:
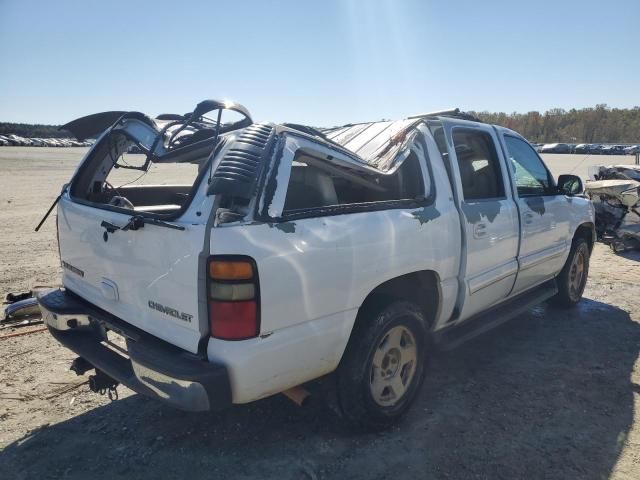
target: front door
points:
(544, 216)
(489, 217)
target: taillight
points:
(233, 296)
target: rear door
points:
(545, 215)
(489, 216)
(148, 277)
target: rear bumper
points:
(153, 367)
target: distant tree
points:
(31, 131)
(599, 124)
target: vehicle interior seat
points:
(409, 178)
(309, 187)
(479, 180)
(483, 184)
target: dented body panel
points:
(615, 193)
(318, 272)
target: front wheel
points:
(573, 277)
(384, 365)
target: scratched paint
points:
(286, 227)
(536, 204)
(426, 214)
(475, 211)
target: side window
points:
(532, 177)
(309, 187)
(478, 163)
(316, 183)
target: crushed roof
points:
(377, 143)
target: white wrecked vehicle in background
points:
(615, 193)
(292, 253)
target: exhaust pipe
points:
(298, 395)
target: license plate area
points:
(116, 342)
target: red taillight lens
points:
(233, 320)
(233, 297)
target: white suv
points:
(294, 252)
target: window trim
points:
(344, 209)
(553, 190)
(463, 198)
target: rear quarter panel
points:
(314, 275)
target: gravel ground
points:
(552, 394)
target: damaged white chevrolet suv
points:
(294, 253)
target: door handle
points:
(479, 230)
(528, 218)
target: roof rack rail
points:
(453, 112)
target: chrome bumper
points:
(153, 368)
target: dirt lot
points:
(550, 395)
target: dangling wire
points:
(134, 180)
(146, 167)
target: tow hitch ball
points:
(102, 383)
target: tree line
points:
(33, 131)
(599, 124)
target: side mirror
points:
(570, 185)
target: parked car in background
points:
(582, 148)
(632, 149)
(15, 140)
(537, 146)
(618, 149)
(606, 150)
(555, 148)
(612, 150)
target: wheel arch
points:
(586, 231)
(421, 288)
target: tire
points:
(383, 366)
(573, 277)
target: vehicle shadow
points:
(630, 254)
(548, 395)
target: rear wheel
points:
(384, 365)
(573, 277)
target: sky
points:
(322, 63)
